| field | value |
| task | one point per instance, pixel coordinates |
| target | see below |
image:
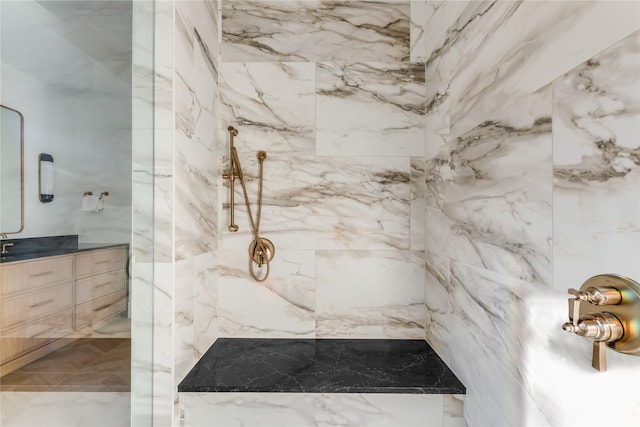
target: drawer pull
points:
(40, 304)
(101, 308)
(42, 333)
(106, 261)
(102, 285)
(44, 273)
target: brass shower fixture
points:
(607, 309)
(261, 250)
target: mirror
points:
(11, 171)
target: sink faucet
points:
(4, 248)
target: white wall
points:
(76, 107)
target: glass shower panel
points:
(76, 285)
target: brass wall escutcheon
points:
(262, 252)
(607, 309)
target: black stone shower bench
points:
(321, 366)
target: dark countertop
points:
(321, 366)
(32, 248)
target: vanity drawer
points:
(100, 308)
(26, 276)
(35, 305)
(21, 340)
(97, 286)
(95, 262)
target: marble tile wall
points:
(532, 187)
(327, 89)
(185, 191)
(142, 239)
(300, 409)
(502, 114)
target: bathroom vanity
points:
(50, 297)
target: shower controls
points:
(606, 309)
(261, 251)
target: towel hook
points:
(104, 193)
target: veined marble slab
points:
(596, 127)
(370, 109)
(486, 44)
(369, 294)
(271, 104)
(489, 193)
(326, 202)
(319, 410)
(315, 31)
(281, 307)
(27, 409)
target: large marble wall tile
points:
(596, 160)
(28, 409)
(205, 310)
(163, 132)
(142, 340)
(315, 31)
(312, 409)
(370, 294)
(195, 198)
(326, 203)
(453, 410)
(272, 105)
(492, 187)
(457, 28)
(195, 150)
(526, 47)
(163, 346)
(418, 207)
(283, 306)
(437, 110)
(475, 311)
(370, 109)
(417, 35)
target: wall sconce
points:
(45, 172)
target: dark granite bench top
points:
(321, 366)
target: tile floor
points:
(86, 365)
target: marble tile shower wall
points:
(186, 194)
(533, 185)
(328, 90)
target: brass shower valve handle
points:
(599, 295)
(608, 318)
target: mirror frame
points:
(3, 232)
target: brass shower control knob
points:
(607, 310)
(598, 295)
(601, 327)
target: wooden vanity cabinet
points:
(46, 302)
(100, 286)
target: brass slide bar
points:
(230, 174)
